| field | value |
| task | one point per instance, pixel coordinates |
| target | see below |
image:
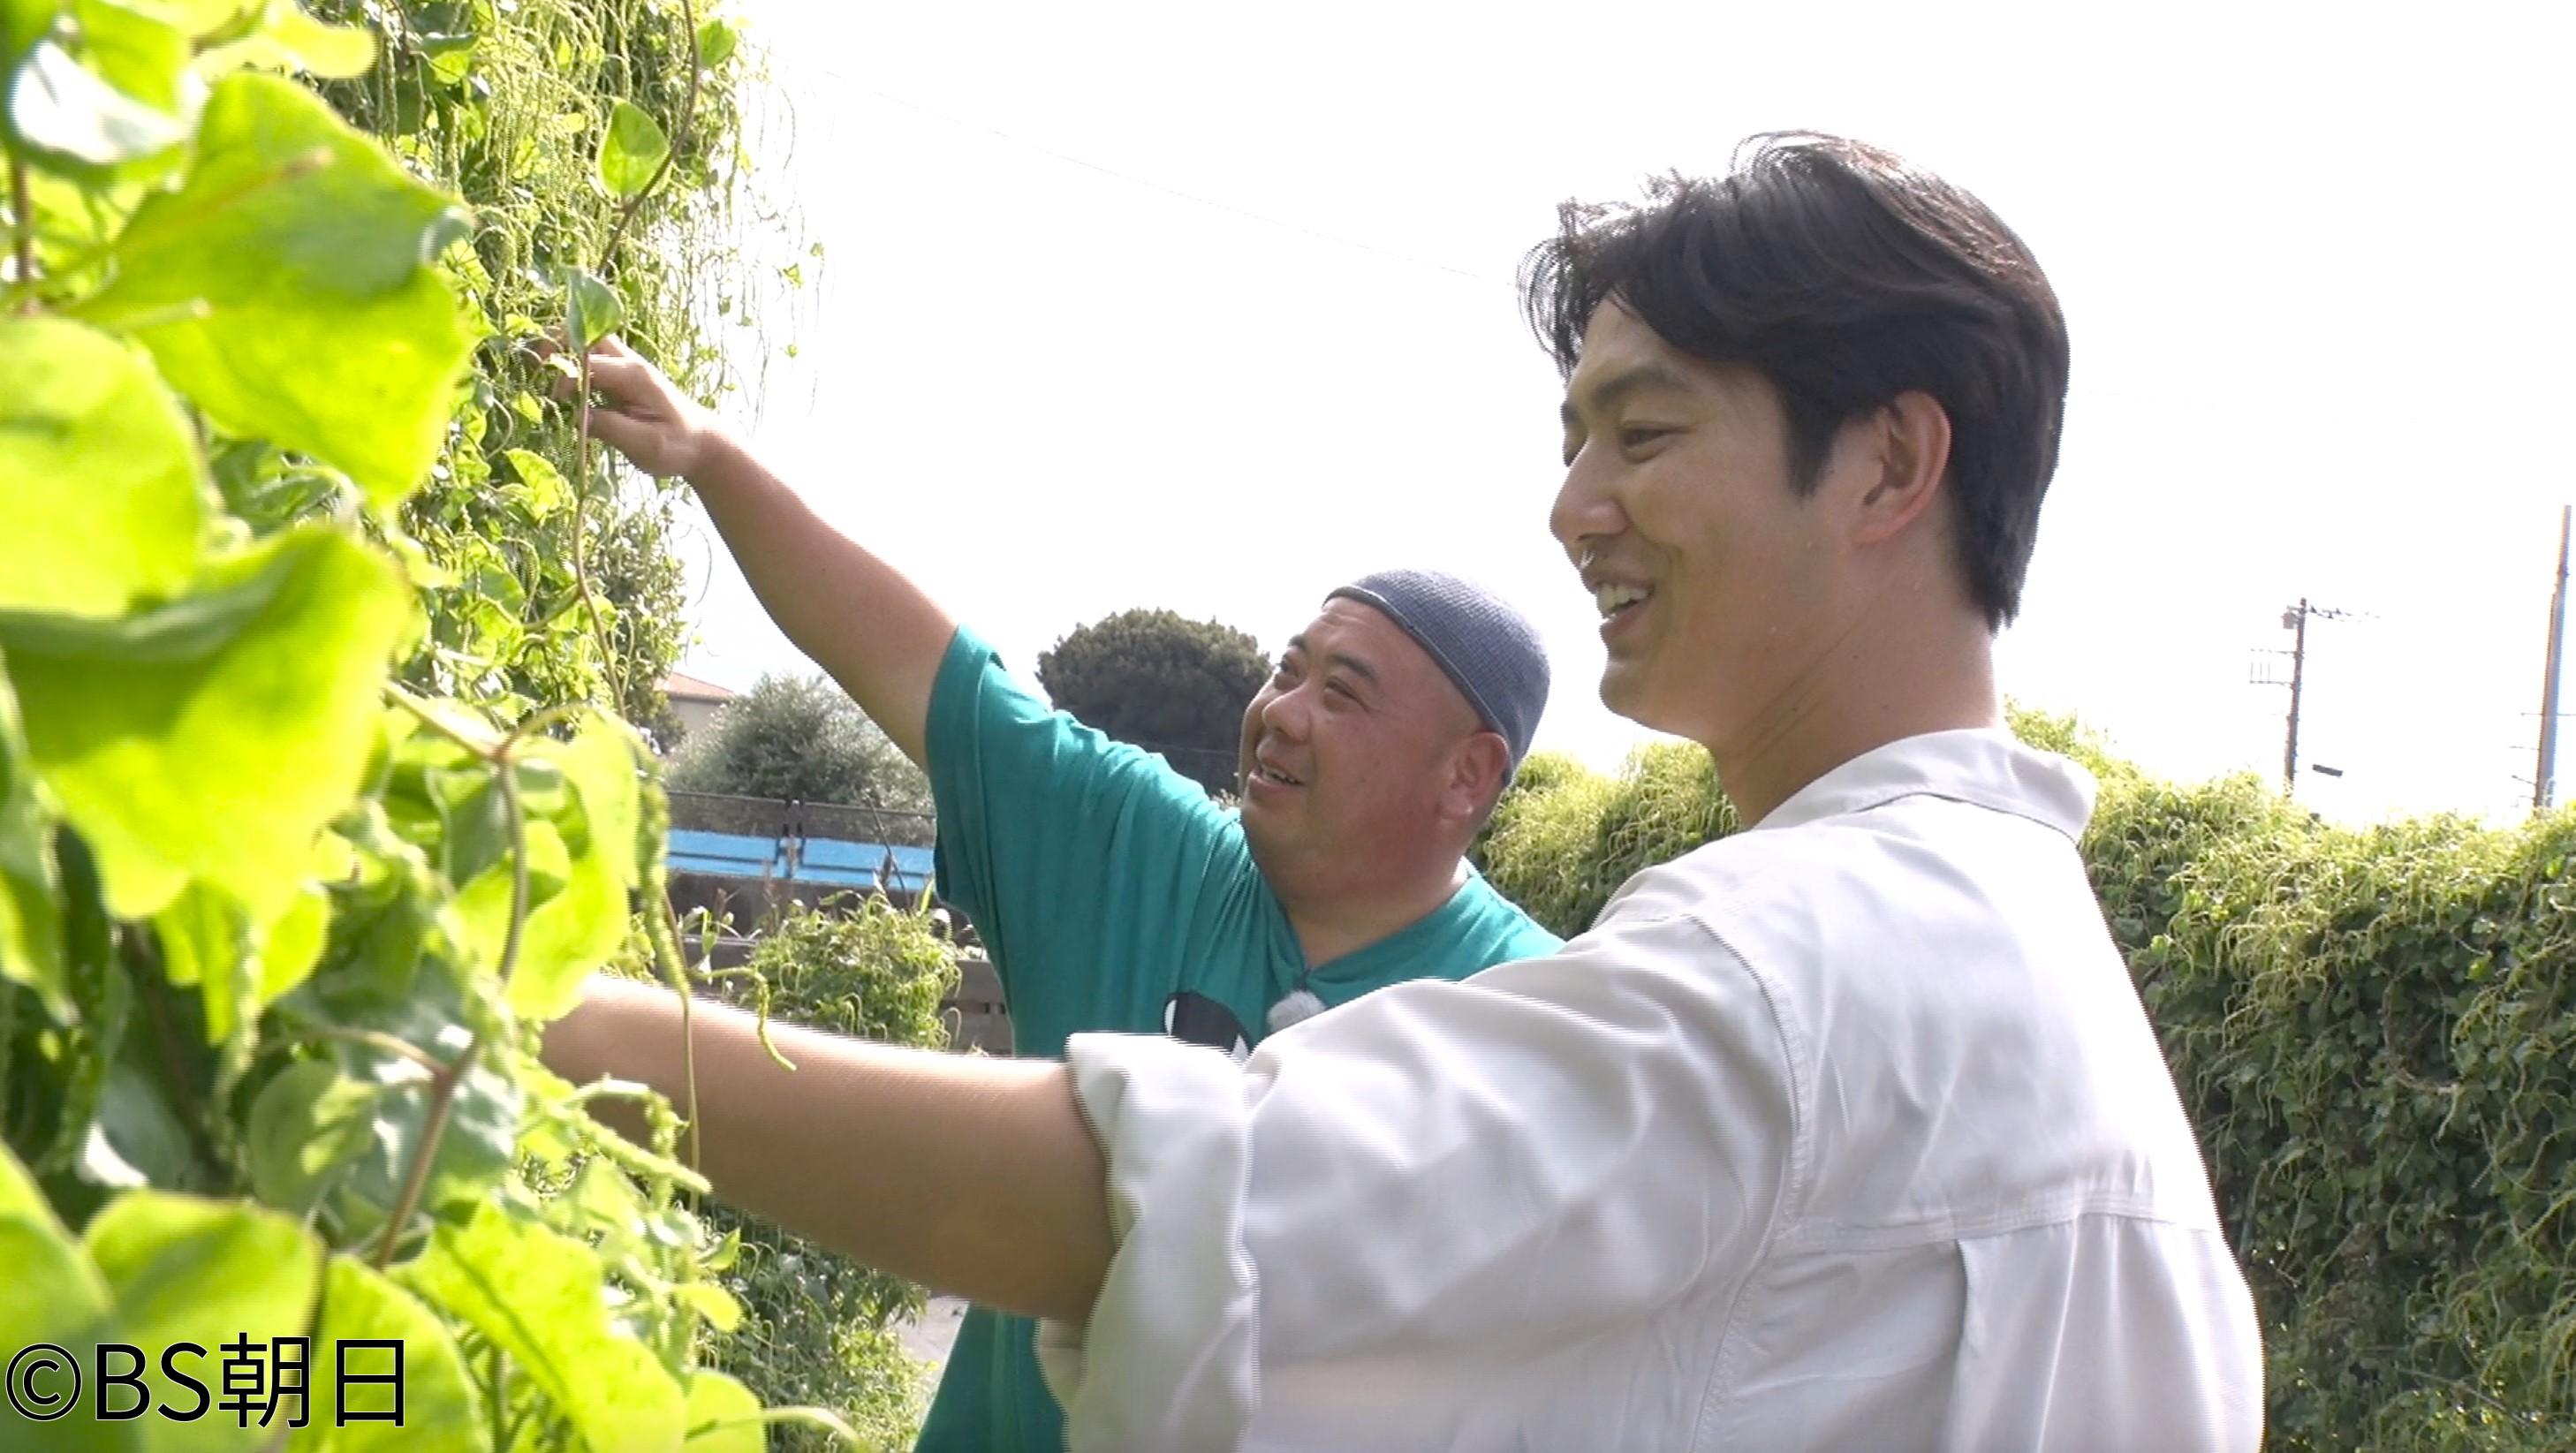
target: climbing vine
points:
(320, 629)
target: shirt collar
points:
(1986, 766)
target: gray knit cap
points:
(1485, 646)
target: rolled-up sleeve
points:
(1480, 1169)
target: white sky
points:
(1208, 306)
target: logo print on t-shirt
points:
(1198, 1019)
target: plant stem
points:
(8, 1043)
(442, 1104)
(581, 543)
(528, 727)
(514, 813)
(156, 994)
(381, 1043)
(688, 1029)
(518, 1424)
(22, 220)
(500, 1381)
(443, 1086)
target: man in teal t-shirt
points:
(1110, 892)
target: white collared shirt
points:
(1846, 1132)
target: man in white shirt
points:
(1845, 1132)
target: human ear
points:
(1476, 772)
(1906, 458)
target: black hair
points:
(1846, 277)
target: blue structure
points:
(726, 854)
(862, 865)
(828, 862)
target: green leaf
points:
(631, 151)
(547, 491)
(239, 968)
(305, 1128)
(605, 1200)
(602, 763)
(450, 57)
(285, 288)
(483, 906)
(72, 119)
(197, 19)
(712, 1302)
(542, 1299)
(137, 1139)
(382, 916)
(187, 629)
(204, 935)
(543, 791)
(592, 309)
(183, 751)
(139, 54)
(22, 24)
(22, 1200)
(31, 921)
(442, 1412)
(723, 1416)
(104, 490)
(184, 1269)
(292, 946)
(51, 1294)
(583, 926)
(294, 41)
(716, 42)
(473, 821)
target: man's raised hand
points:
(814, 580)
(642, 414)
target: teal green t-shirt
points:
(1113, 895)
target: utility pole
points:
(2297, 620)
(2544, 782)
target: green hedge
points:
(2373, 1030)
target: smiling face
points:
(1715, 578)
(1354, 755)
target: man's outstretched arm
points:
(973, 1176)
(859, 618)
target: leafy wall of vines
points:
(319, 626)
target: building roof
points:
(689, 688)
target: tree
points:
(800, 737)
(1163, 682)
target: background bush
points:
(800, 737)
(1164, 682)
